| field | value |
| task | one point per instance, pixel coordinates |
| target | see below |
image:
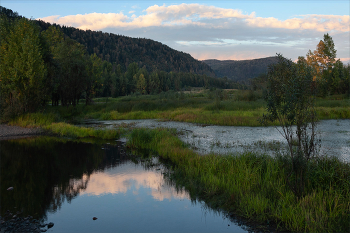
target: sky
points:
(222, 29)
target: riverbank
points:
(12, 132)
(257, 187)
(11, 223)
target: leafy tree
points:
(73, 73)
(290, 101)
(52, 38)
(94, 77)
(22, 68)
(132, 70)
(323, 57)
(141, 84)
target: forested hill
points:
(240, 70)
(125, 50)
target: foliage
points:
(22, 68)
(290, 100)
(123, 50)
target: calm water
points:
(70, 182)
(334, 135)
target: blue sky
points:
(208, 29)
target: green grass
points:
(203, 107)
(64, 129)
(47, 122)
(254, 186)
(234, 109)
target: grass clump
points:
(64, 129)
(31, 120)
(254, 186)
(49, 122)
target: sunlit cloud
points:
(213, 32)
(194, 13)
(322, 23)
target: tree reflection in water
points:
(47, 171)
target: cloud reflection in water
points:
(131, 177)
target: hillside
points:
(125, 50)
(240, 70)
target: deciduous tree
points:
(290, 101)
(22, 68)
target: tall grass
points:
(31, 120)
(48, 122)
(254, 186)
(64, 129)
(234, 109)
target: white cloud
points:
(214, 32)
(196, 14)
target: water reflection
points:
(69, 182)
(47, 171)
(127, 176)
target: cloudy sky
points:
(222, 29)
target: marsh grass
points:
(231, 107)
(64, 129)
(31, 120)
(254, 186)
(48, 122)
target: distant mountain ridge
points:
(240, 70)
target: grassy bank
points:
(50, 122)
(254, 186)
(233, 108)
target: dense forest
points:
(39, 65)
(243, 70)
(124, 50)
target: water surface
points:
(334, 136)
(70, 182)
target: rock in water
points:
(50, 225)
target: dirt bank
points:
(12, 132)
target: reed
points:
(254, 186)
(64, 129)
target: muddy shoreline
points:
(12, 132)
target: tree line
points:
(329, 74)
(37, 66)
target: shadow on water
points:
(69, 182)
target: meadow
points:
(217, 107)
